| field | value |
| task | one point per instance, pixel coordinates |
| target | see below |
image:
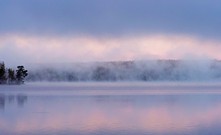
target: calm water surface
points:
(110, 109)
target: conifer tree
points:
(21, 73)
(2, 74)
(11, 76)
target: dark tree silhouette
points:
(21, 73)
(11, 76)
(7, 76)
(2, 74)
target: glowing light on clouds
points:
(35, 49)
(54, 30)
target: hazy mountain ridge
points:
(152, 70)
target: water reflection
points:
(19, 99)
(99, 115)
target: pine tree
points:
(21, 73)
(2, 74)
(11, 76)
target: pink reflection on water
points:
(86, 119)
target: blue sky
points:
(96, 28)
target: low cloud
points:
(33, 49)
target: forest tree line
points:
(159, 70)
(11, 76)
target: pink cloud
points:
(75, 49)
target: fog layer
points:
(152, 70)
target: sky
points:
(60, 31)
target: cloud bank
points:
(41, 31)
(32, 49)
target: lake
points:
(119, 108)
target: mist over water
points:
(120, 109)
(151, 70)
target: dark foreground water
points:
(110, 109)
